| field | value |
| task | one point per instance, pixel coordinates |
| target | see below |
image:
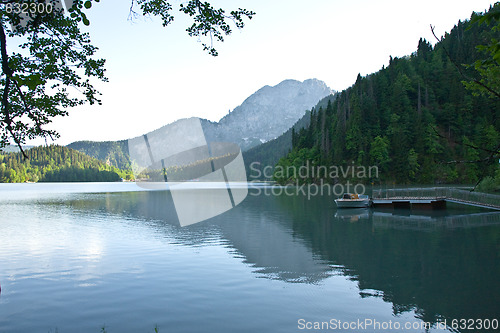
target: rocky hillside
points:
(267, 113)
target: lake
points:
(79, 257)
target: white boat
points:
(349, 200)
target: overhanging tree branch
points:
(468, 78)
(56, 55)
(208, 22)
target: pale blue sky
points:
(158, 75)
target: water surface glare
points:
(77, 257)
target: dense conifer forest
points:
(414, 119)
(55, 164)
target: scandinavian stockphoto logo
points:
(204, 179)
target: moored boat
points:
(349, 200)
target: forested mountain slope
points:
(413, 119)
(114, 153)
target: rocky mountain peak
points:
(267, 113)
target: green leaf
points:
(33, 81)
(87, 5)
(85, 19)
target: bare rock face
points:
(267, 113)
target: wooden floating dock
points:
(433, 198)
(410, 203)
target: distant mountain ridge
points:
(14, 148)
(263, 116)
(267, 113)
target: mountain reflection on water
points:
(443, 265)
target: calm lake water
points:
(77, 257)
